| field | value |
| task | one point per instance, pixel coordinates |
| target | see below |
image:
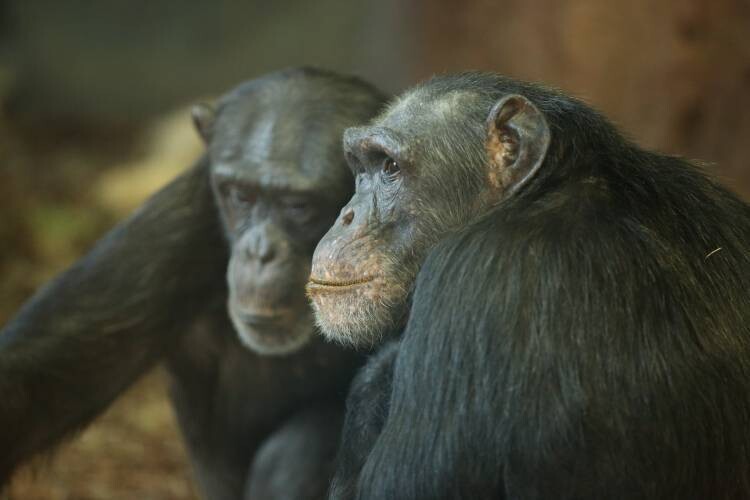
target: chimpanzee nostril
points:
(347, 217)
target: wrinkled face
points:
(273, 233)
(365, 266)
(276, 200)
(423, 169)
(353, 280)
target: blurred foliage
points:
(57, 197)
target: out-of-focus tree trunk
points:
(674, 74)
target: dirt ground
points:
(134, 450)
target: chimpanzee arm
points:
(297, 461)
(87, 335)
(366, 411)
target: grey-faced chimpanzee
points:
(155, 288)
(586, 335)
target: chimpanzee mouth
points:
(261, 321)
(316, 282)
(271, 333)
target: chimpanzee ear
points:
(204, 117)
(517, 140)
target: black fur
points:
(155, 289)
(588, 338)
(367, 409)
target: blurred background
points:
(94, 100)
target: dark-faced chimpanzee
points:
(155, 288)
(580, 328)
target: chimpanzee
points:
(580, 328)
(154, 288)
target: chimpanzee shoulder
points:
(588, 337)
(523, 338)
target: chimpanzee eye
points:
(238, 196)
(390, 167)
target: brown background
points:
(92, 121)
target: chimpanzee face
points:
(422, 169)
(279, 179)
(273, 227)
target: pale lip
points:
(260, 321)
(319, 283)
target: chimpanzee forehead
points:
(425, 110)
(273, 148)
(286, 128)
(274, 176)
(424, 123)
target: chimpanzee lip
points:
(340, 283)
(260, 320)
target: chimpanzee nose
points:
(347, 217)
(261, 249)
(259, 243)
